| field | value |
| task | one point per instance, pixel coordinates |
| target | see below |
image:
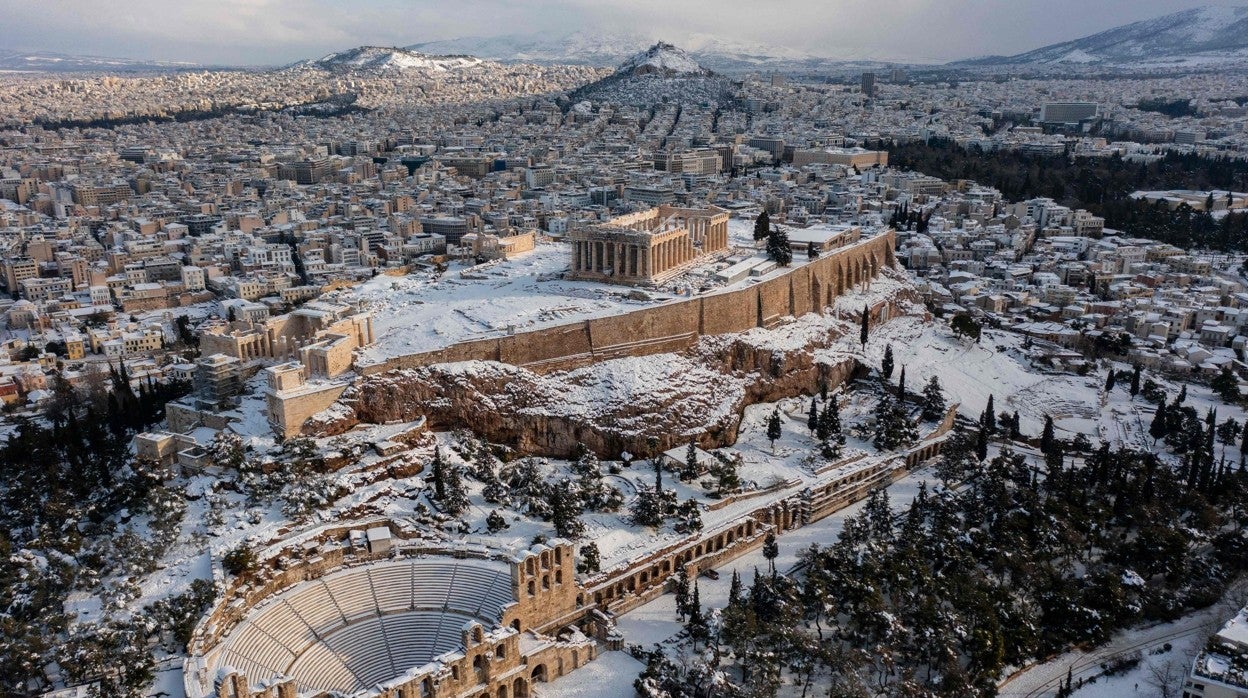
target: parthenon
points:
(649, 246)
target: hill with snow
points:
(661, 73)
(662, 59)
(1195, 37)
(378, 59)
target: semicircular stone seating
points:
(364, 625)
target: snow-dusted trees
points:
(829, 432)
(893, 427)
(886, 366)
(778, 247)
(933, 400)
(590, 559)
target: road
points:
(1042, 680)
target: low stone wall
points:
(673, 326)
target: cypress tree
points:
(866, 326)
(762, 225)
(1135, 381)
(1110, 380)
(886, 366)
(812, 418)
(1046, 436)
(901, 387)
(989, 418)
(1157, 429)
(439, 474)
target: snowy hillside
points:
(662, 59)
(377, 59)
(1199, 35)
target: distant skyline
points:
(275, 32)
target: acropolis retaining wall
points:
(673, 326)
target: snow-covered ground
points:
(609, 676)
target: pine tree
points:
(886, 366)
(901, 387)
(762, 226)
(866, 326)
(1046, 436)
(933, 400)
(1015, 426)
(1135, 381)
(1110, 380)
(495, 522)
(565, 509)
(1182, 395)
(812, 418)
(682, 593)
(455, 500)
(774, 428)
(981, 444)
(591, 559)
(778, 247)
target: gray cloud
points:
(281, 31)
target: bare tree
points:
(1166, 677)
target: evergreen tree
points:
(591, 559)
(988, 420)
(1158, 427)
(771, 550)
(774, 428)
(495, 522)
(565, 509)
(812, 417)
(866, 326)
(933, 400)
(1046, 436)
(981, 444)
(455, 499)
(699, 629)
(734, 589)
(1135, 381)
(778, 247)
(1182, 395)
(682, 593)
(901, 388)
(1226, 385)
(438, 469)
(762, 226)
(690, 471)
(1110, 380)
(886, 366)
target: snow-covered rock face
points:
(376, 59)
(662, 59)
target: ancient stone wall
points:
(673, 326)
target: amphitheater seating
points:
(365, 625)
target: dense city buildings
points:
(394, 374)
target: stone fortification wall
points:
(674, 326)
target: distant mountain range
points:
(1196, 37)
(48, 62)
(1202, 37)
(608, 49)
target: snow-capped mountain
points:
(589, 47)
(378, 59)
(1190, 37)
(578, 48)
(662, 59)
(47, 61)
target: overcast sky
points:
(267, 32)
